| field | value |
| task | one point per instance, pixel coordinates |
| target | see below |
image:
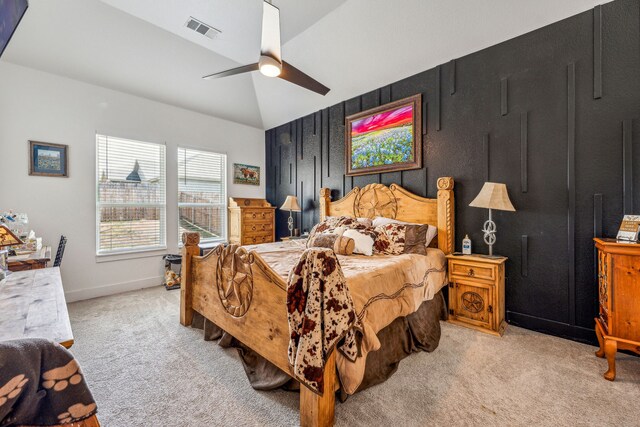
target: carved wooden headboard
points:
(397, 203)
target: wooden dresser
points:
(476, 292)
(251, 221)
(618, 321)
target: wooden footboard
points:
(241, 294)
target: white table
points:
(32, 305)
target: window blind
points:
(131, 195)
(202, 194)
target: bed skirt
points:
(419, 331)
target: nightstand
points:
(476, 292)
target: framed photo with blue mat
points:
(46, 159)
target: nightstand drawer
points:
(470, 269)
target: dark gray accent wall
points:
(554, 114)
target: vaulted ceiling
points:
(353, 46)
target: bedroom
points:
(541, 96)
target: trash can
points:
(172, 270)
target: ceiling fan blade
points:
(233, 71)
(293, 75)
(270, 45)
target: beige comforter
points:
(383, 288)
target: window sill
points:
(131, 255)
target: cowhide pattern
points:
(321, 316)
(331, 223)
(390, 239)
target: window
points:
(202, 194)
(131, 195)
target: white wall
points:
(38, 106)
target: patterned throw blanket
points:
(41, 384)
(320, 314)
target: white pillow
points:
(431, 231)
(364, 243)
(339, 230)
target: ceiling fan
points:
(271, 63)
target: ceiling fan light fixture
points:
(269, 66)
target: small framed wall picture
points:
(246, 174)
(47, 159)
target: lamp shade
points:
(493, 196)
(7, 238)
(291, 204)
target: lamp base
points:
(290, 224)
(489, 229)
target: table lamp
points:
(492, 196)
(7, 238)
(291, 205)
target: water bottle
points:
(466, 245)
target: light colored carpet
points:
(147, 370)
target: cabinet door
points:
(624, 291)
(473, 302)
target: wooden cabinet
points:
(476, 292)
(618, 321)
(251, 221)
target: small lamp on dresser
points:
(492, 196)
(291, 205)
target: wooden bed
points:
(255, 314)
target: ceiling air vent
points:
(202, 28)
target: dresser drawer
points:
(258, 216)
(470, 269)
(257, 227)
(256, 239)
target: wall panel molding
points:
(436, 98)
(504, 96)
(597, 52)
(385, 95)
(524, 152)
(425, 109)
(452, 77)
(597, 215)
(571, 186)
(524, 255)
(486, 150)
(627, 166)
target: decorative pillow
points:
(327, 226)
(363, 241)
(367, 222)
(432, 231)
(336, 225)
(414, 239)
(390, 239)
(340, 245)
(339, 230)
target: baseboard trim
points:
(116, 288)
(552, 327)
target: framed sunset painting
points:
(386, 138)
